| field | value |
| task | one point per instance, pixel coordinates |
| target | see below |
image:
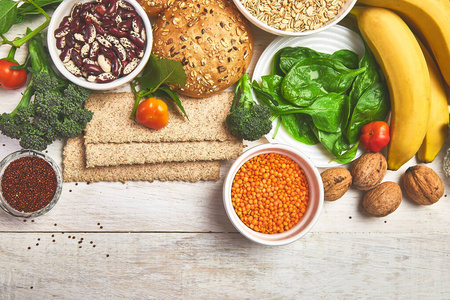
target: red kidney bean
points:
(117, 19)
(62, 31)
(128, 14)
(78, 37)
(136, 38)
(117, 32)
(69, 41)
(76, 58)
(96, 17)
(140, 52)
(90, 34)
(87, 6)
(75, 25)
(137, 24)
(119, 50)
(104, 42)
(100, 8)
(99, 29)
(92, 69)
(130, 54)
(85, 50)
(108, 24)
(108, 53)
(65, 21)
(61, 42)
(112, 7)
(130, 67)
(106, 77)
(127, 44)
(65, 54)
(125, 5)
(76, 10)
(125, 25)
(116, 67)
(95, 49)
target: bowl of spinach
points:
(321, 90)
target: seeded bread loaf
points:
(154, 7)
(211, 38)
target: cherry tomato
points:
(152, 113)
(11, 79)
(375, 136)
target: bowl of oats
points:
(294, 18)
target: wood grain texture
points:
(166, 240)
(224, 266)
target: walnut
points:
(368, 170)
(336, 182)
(383, 199)
(423, 185)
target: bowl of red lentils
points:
(30, 183)
(273, 194)
(294, 18)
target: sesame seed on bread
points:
(212, 40)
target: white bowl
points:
(348, 5)
(313, 209)
(327, 41)
(63, 10)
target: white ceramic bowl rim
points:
(64, 9)
(348, 5)
(313, 210)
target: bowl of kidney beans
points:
(99, 44)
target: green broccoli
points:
(248, 120)
(50, 109)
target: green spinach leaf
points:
(8, 14)
(315, 77)
(346, 57)
(159, 71)
(299, 127)
(373, 105)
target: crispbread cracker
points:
(112, 124)
(112, 154)
(75, 169)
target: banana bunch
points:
(419, 111)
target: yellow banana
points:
(397, 51)
(430, 21)
(438, 118)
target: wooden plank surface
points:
(172, 240)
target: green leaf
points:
(29, 9)
(159, 71)
(166, 91)
(8, 15)
(348, 155)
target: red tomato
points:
(375, 136)
(152, 113)
(11, 79)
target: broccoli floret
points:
(76, 94)
(55, 112)
(248, 120)
(44, 81)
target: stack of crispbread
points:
(117, 148)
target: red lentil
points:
(270, 193)
(28, 184)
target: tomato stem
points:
(20, 41)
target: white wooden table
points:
(173, 240)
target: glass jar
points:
(30, 183)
